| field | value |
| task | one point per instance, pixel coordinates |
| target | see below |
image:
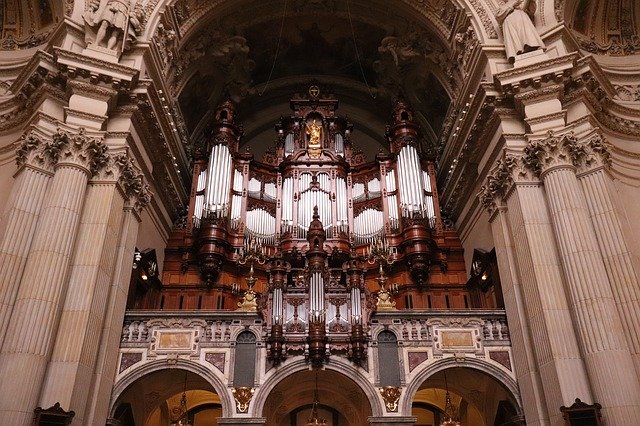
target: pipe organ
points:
(313, 207)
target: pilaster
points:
(392, 421)
(603, 343)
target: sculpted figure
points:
(520, 35)
(111, 18)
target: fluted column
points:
(558, 358)
(607, 356)
(527, 372)
(615, 253)
(32, 325)
(70, 369)
(19, 220)
(104, 374)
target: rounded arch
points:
(299, 365)
(472, 363)
(121, 385)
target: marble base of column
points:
(392, 421)
(242, 421)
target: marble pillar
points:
(603, 342)
(555, 344)
(70, 369)
(99, 394)
(392, 421)
(19, 220)
(33, 322)
(528, 374)
(615, 253)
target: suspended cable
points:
(355, 46)
(275, 58)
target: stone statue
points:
(520, 35)
(113, 19)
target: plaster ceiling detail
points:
(27, 24)
(605, 27)
(232, 53)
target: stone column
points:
(19, 220)
(526, 368)
(29, 338)
(603, 343)
(557, 354)
(104, 373)
(74, 355)
(615, 253)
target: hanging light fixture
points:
(314, 420)
(450, 411)
(179, 416)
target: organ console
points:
(317, 210)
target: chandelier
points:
(179, 415)
(314, 420)
(450, 417)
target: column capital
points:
(31, 152)
(508, 171)
(77, 149)
(553, 152)
(596, 154)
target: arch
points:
(336, 364)
(195, 367)
(404, 405)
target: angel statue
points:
(114, 19)
(520, 35)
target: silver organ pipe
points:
(417, 180)
(342, 218)
(276, 307)
(269, 191)
(339, 144)
(254, 188)
(199, 203)
(356, 304)
(287, 205)
(288, 144)
(392, 200)
(218, 180)
(358, 192)
(411, 182)
(262, 225)
(428, 198)
(316, 292)
(367, 225)
(236, 199)
(374, 188)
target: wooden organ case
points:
(313, 237)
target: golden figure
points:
(314, 131)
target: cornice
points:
(119, 76)
(515, 79)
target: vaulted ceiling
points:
(260, 54)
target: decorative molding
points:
(391, 395)
(243, 396)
